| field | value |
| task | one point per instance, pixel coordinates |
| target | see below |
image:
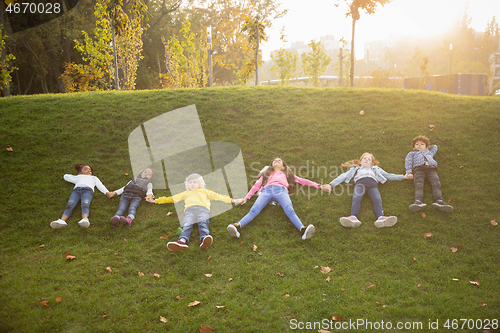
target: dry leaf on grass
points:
(419, 285)
(220, 306)
(69, 256)
(164, 237)
(337, 318)
(163, 319)
(328, 279)
(10, 149)
(424, 215)
(108, 269)
(169, 213)
(45, 303)
(428, 235)
(493, 222)
(342, 290)
(287, 295)
(58, 299)
(255, 247)
(414, 259)
(325, 270)
(362, 112)
(206, 328)
(156, 275)
(324, 331)
(208, 275)
(195, 303)
(454, 249)
(125, 173)
(476, 283)
(482, 304)
(141, 274)
(230, 279)
(43, 245)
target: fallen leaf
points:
(163, 319)
(324, 331)
(428, 235)
(493, 222)
(241, 243)
(10, 149)
(206, 328)
(208, 275)
(44, 303)
(195, 303)
(454, 249)
(287, 295)
(117, 252)
(108, 269)
(105, 316)
(362, 112)
(278, 273)
(461, 167)
(431, 126)
(178, 297)
(210, 257)
(482, 304)
(124, 239)
(455, 279)
(424, 215)
(325, 270)
(316, 266)
(370, 286)
(342, 290)
(58, 299)
(43, 245)
(378, 303)
(476, 283)
(328, 279)
(255, 247)
(141, 274)
(449, 200)
(164, 237)
(419, 285)
(125, 173)
(230, 279)
(156, 275)
(337, 318)
(220, 306)
(70, 257)
(414, 259)
(169, 213)
(260, 253)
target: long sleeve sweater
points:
(278, 178)
(199, 197)
(82, 180)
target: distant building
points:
(329, 43)
(376, 51)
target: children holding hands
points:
(197, 209)
(366, 175)
(420, 164)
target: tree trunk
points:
(117, 83)
(351, 78)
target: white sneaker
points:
(84, 223)
(383, 221)
(350, 222)
(57, 224)
(308, 232)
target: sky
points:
(310, 19)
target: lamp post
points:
(210, 52)
(451, 53)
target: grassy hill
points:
(390, 274)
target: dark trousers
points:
(430, 172)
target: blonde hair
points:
(194, 176)
(351, 163)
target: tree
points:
(315, 62)
(6, 67)
(286, 62)
(354, 7)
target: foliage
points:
(424, 72)
(186, 60)
(6, 68)
(314, 63)
(286, 62)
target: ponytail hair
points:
(352, 163)
(79, 166)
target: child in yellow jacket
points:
(197, 209)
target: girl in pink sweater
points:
(275, 182)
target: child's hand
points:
(240, 201)
(409, 175)
(150, 199)
(110, 194)
(327, 188)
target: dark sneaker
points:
(177, 246)
(307, 232)
(126, 221)
(206, 242)
(417, 205)
(115, 221)
(234, 230)
(384, 221)
(350, 222)
(442, 206)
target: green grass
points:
(280, 283)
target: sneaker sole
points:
(115, 221)
(310, 230)
(176, 247)
(446, 208)
(57, 225)
(346, 222)
(415, 208)
(231, 229)
(388, 222)
(207, 241)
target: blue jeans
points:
(193, 215)
(131, 201)
(278, 193)
(83, 194)
(368, 186)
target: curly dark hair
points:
(420, 138)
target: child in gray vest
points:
(131, 196)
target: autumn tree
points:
(314, 63)
(355, 6)
(6, 67)
(286, 62)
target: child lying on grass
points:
(197, 209)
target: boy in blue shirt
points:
(420, 164)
